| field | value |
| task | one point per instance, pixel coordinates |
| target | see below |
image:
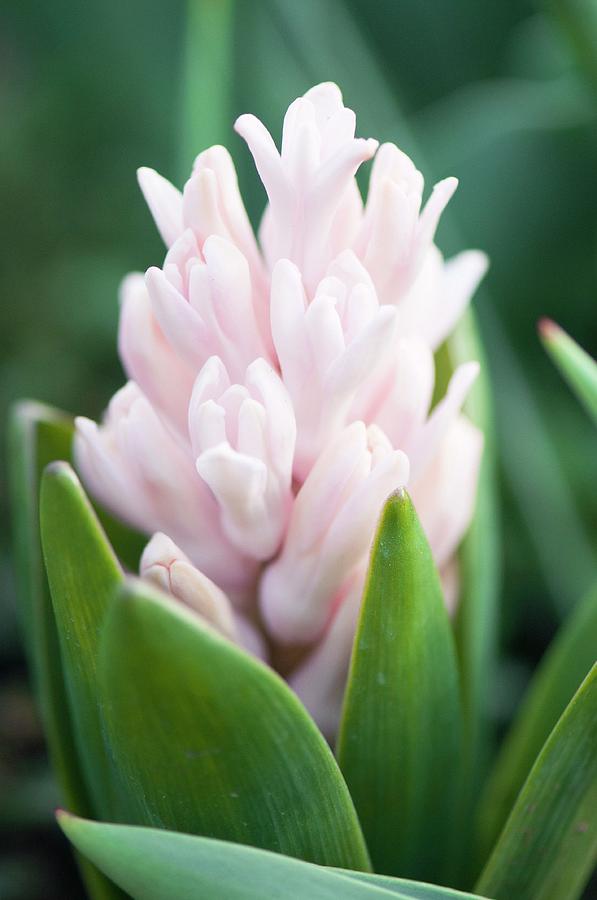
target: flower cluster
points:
(280, 390)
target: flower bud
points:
(167, 566)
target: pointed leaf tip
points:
(82, 571)
(400, 733)
(547, 328)
(174, 693)
(548, 847)
(155, 864)
(577, 367)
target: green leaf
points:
(38, 435)
(399, 741)
(563, 668)
(418, 890)
(548, 847)
(207, 78)
(127, 543)
(152, 864)
(210, 741)
(83, 573)
(575, 364)
(478, 558)
(532, 460)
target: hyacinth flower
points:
(294, 436)
(262, 563)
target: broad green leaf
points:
(418, 890)
(83, 573)
(399, 742)
(152, 864)
(127, 543)
(563, 668)
(548, 847)
(39, 435)
(210, 741)
(575, 364)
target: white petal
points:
(321, 679)
(444, 493)
(167, 566)
(462, 275)
(164, 202)
(429, 437)
(148, 358)
(218, 160)
(299, 590)
(440, 196)
(179, 322)
(269, 165)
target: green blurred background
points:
(501, 94)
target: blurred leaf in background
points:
(502, 95)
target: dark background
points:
(501, 94)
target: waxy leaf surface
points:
(82, 573)
(548, 847)
(575, 364)
(152, 864)
(559, 675)
(399, 741)
(39, 435)
(210, 741)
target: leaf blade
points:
(83, 572)
(548, 846)
(399, 737)
(417, 890)
(214, 741)
(207, 77)
(154, 865)
(38, 435)
(574, 363)
(553, 685)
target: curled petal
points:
(269, 165)
(205, 304)
(440, 197)
(231, 208)
(164, 202)
(243, 438)
(440, 294)
(327, 348)
(398, 399)
(167, 566)
(396, 235)
(147, 356)
(310, 180)
(444, 493)
(462, 275)
(429, 437)
(321, 679)
(330, 531)
(141, 473)
(180, 323)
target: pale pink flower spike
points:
(279, 390)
